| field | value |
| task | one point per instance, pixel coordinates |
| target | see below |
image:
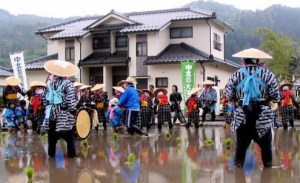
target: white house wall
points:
(52, 47)
(86, 46)
(132, 54)
(200, 39)
(222, 72)
(158, 41)
(220, 31)
(61, 49)
(36, 75)
(173, 73)
(85, 75)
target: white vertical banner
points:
(18, 65)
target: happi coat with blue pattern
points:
(269, 93)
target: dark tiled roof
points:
(5, 72)
(176, 53)
(141, 21)
(227, 62)
(155, 20)
(103, 28)
(105, 58)
(75, 28)
(39, 62)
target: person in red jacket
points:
(287, 103)
(164, 111)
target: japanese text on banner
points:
(18, 65)
(188, 72)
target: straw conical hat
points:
(119, 88)
(61, 68)
(290, 85)
(194, 90)
(97, 87)
(37, 83)
(208, 82)
(121, 83)
(130, 80)
(165, 91)
(150, 92)
(252, 53)
(76, 84)
(84, 87)
(12, 81)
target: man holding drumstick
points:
(61, 101)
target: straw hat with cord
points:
(37, 83)
(208, 82)
(165, 91)
(194, 90)
(290, 85)
(97, 87)
(12, 81)
(119, 88)
(252, 53)
(84, 87)
(77, 84)
(130, 80)
(150, 92)
(61, 68)
(120, 83)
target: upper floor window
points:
(141, 49)
(69, 50)
(101, 42)
(121, 41)
(181, 32)
(217, 42)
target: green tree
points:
(284, 63)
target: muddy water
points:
(178, 156)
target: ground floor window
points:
(161, 82)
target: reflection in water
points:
(158, 158)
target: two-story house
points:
(146, 45)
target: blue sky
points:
(67, 8)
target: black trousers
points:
(245, 134)
(68, 136)
(131, 122)
(207, 110)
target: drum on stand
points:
(83, 124)
(85, 176)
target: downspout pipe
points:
(203, 69)
(79, 59)
(201, 63)
(224, 47)
(206, 20)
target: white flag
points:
(18, 65)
